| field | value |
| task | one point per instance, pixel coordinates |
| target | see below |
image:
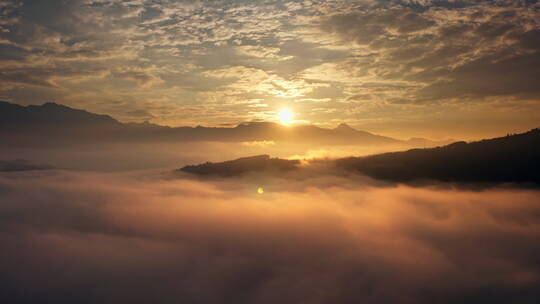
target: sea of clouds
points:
(148, 237)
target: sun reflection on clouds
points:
(259, 143)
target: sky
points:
(437, 69)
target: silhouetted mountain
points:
(20, 165)
(343, 127)
(53, 124)
(241, 166)
(49, 114)
(514, 158)
(510, 159)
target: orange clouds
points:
(420, 67)
(140, 239)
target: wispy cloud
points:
(468, 56)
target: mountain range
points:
(510, 159)
(55, 124)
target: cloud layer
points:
(108, 238)
(375, 64)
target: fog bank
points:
(72, 237)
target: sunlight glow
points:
(286, 116)
(260, 190)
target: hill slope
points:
(21, 165)
(237, 167)
(514, 158)
(510, 159)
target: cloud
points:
(140, 239)
(246, 80)
(158, 54)
(446, 52)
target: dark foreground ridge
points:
(510, 159)
(21, 165)
(241, 166)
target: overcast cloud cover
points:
(71, 237)
(404, 68)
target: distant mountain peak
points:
(50, 117)
(50, 113)
(345, 127)
(52, 104)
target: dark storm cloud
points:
(94, 238)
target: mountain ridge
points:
(510, 159)
(59, 123)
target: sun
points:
(286, 116)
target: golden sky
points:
(439, 69)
